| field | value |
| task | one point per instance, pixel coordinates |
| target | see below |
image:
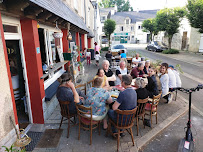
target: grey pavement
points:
(167, 114)
(170, 138)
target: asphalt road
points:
(191, 69)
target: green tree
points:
(109, 27)
(106, 3)
(121, 4)
(195, 14)
(149, 25)
(168, 20)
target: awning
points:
(90, 34)
(58, 8)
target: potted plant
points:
(81, 67)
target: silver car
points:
(156, 46)
(118, 47)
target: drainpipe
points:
(85, 11)
(95, 22)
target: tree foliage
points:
(109, 27)
(195, 14)
(168, 20)
(121, 4)
(151, 26)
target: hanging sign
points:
(38, 50)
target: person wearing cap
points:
(177, 75)
(172, 80)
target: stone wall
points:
(6, 107)
(194, 42)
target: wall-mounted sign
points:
(38, 50)
(11, 51)
(121, 34)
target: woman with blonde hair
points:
(141, 91)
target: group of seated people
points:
(98, 97)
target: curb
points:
(158, 129)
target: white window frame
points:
(76, 4)
(128, 21)
(52, 76)
(121, 28)
(18, 36)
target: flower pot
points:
(58, 35)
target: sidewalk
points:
(169, 139)
(167, 113)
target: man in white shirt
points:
(177, 75)
(172, 80)
(122, 70)
(136, 60)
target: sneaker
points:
(170, 97)
(122, 134)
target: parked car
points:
(118, 47)
(156, 46)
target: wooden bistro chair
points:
(89, 84)
(141, 103)
(127, 117)
(64, 105)
(152, 106)
(85, 120)
(82, 87)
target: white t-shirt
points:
(123, 72)
(136, 60)
(178, 80)
(164, 84)
(172, 79)
(97, 56)
(88, 54)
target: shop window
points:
(51, 53)
(10, 28)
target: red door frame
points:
(8, 71)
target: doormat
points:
(35, 136)
(50, 138)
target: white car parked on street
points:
(117, 48)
